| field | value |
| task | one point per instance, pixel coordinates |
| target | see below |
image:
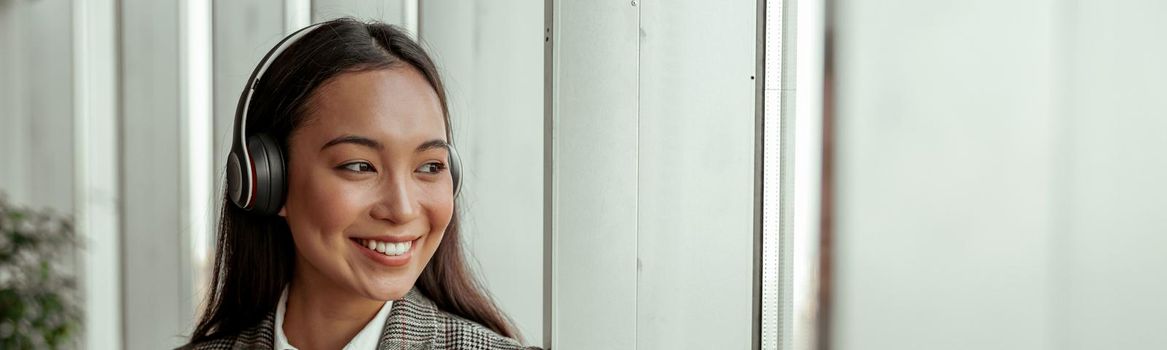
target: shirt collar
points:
(367, 338)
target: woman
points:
(341, 229)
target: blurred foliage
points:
(37, 306)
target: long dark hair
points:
(255, 256)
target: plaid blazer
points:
(414, 323)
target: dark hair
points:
(255, 256)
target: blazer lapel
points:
(412, 324)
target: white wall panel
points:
(388, 11)
(38, 104)
(49, 80)
(696, 175)
(943, 160)
(13, 106)
(97, 174)
(1112, 200)
(595, 175)
(157, 291)
(1001, 186)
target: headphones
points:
(256, 168)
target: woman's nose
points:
(397, 204)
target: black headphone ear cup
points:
(455, 170)
(237, 184)
(270, 171)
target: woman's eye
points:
(433, 168)
(358, 167)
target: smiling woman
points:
(344, 229)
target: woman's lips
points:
(383, 258)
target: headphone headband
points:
(244, 197)
(243, 191)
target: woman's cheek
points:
(331, 202)
(339, 201)
(440, 201)
(439, 209)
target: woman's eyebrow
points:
(353, 139)
(432, 144)
(370, 143)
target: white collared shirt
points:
(367, 338)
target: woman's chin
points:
(389, 290)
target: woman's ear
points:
(283, 211)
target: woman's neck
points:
(320, 316)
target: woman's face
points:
(369, 193)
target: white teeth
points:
(387, 248)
